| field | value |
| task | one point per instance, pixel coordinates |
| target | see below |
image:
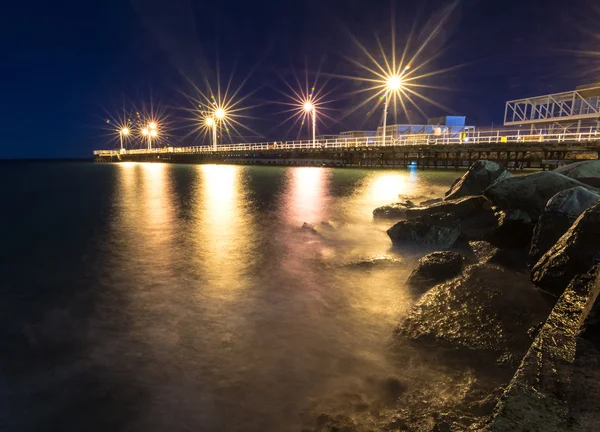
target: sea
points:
(163, 297)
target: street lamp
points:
(309, 108)
(151, 132)
(393, 84)
(212, 124)
(123, 132)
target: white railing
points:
(471, 136)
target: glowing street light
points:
(393, 85)
(219, 115)
(151, 132)
(212, 125)
(123, 132)
(309, 109)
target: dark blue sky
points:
(66, 64)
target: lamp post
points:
(309, 108)
(393, 84)
(212, 124)
(146, 133)
(122, 133)
(150, 132)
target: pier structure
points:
(539, 132)
(540, 150)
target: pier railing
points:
(468, 136)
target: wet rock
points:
(514, 229)
(338, 423)
(480, 225)
(558, 216)
(574, 253)
(306, 227)
(436, 267)
(390, 211)
(327, 225)
(452, 187)
(392, 389)
(430, 201)
(511, 258)
(489, 310)
(529, 193)
(582, 169)
(438, 231)
(482, 250)
(380, 261)
(461, 208)
(590, 181)
(538, 396)
(479, 176)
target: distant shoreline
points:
(41, 160)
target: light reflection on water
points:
(217, 312)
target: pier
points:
(542, 149)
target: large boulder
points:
(392, 211)
(479, 176)
(514, 229)
(475, 213)
(574, 253)
(430, 201)
(461, 207)
(580, 170)
(438, 231)
(558, 216)
(529, 193)
(488, 310)
(434, 268)
(555, 387)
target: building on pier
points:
(358, 134)
(447, 126)
(575, 111)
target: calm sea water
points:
(160, 297)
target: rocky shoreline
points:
(509, 289)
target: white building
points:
(448, 126)
(358, 134)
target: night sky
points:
(66, 66)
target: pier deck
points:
(424, 151)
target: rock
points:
(376, 262)
(480, 225)
(590, 181)
(391, 211)
(529, 193)
(582, 169)
(438, 231)
(452, 187)
(461, 207)
(514, 229)
(436, 267)
(479, 176)
(537, 398)
(574, 253)
(558, 216)
(308, 228)
(392, 388)
(430, 201)
(485, 252)
(489, 310)
(482, 250)
(338, 423)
